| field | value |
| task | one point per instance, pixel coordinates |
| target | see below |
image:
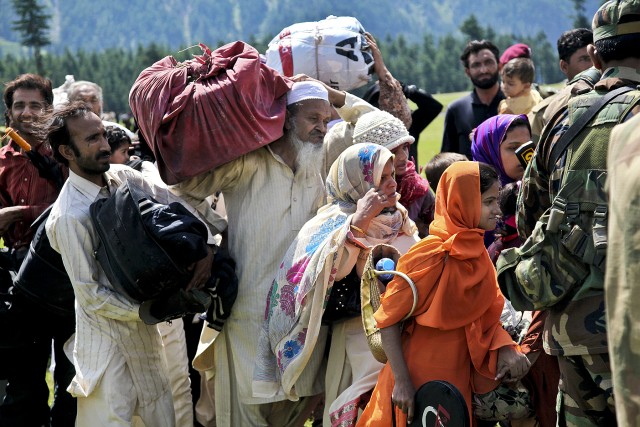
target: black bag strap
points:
(564, 141)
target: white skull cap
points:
(302, 91)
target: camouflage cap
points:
(616, 18)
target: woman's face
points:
(387, 181)
(401, 154)
(490, 210)
(512, 141)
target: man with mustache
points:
(480, 60)
(119, 359)
(24, 195)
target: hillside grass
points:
(430, 139)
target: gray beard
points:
(309, 155)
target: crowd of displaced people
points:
(240, 302)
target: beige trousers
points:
(113, 403)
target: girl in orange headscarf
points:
(455, 333)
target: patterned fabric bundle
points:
(303, 284)
(207, 111)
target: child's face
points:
(512, 141)
(490, 209)
(120, 155)
(401, 157)
(513, 86)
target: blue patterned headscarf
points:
(486, 140)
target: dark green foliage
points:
(113, 69)
(579, 19)
(471, 28)
(420, 41)
(432, 64)
(32, 24)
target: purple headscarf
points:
(487, 137)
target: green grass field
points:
(431, 138)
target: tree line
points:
(433, 64)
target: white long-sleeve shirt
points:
(107, 323)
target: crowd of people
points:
(517, 267)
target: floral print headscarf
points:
(302, 286)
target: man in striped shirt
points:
(118, 358)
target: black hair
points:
(372, 95)
(571, 41)
(146, 153)
(434, 169)
(618, 48)
(488, 176)
(117, 137)
(27, 81)
(476, 46)
(58, 131)
(519, 122)
(508, 198)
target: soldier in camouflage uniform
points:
(576, 64)
(623, 269)
(576, 329)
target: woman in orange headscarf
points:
(455, 334)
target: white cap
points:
(380, 127)
(307, 90)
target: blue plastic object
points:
(385, 264)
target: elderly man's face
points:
(90, 96)
(309, 120)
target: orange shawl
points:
(461, 292)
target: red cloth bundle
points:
(210, 110)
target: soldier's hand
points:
(512, 364)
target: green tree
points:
(32, 24)
(472, 29)
(579, 19)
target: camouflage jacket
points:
(577, 327)
(543, 112)
(623, 266)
